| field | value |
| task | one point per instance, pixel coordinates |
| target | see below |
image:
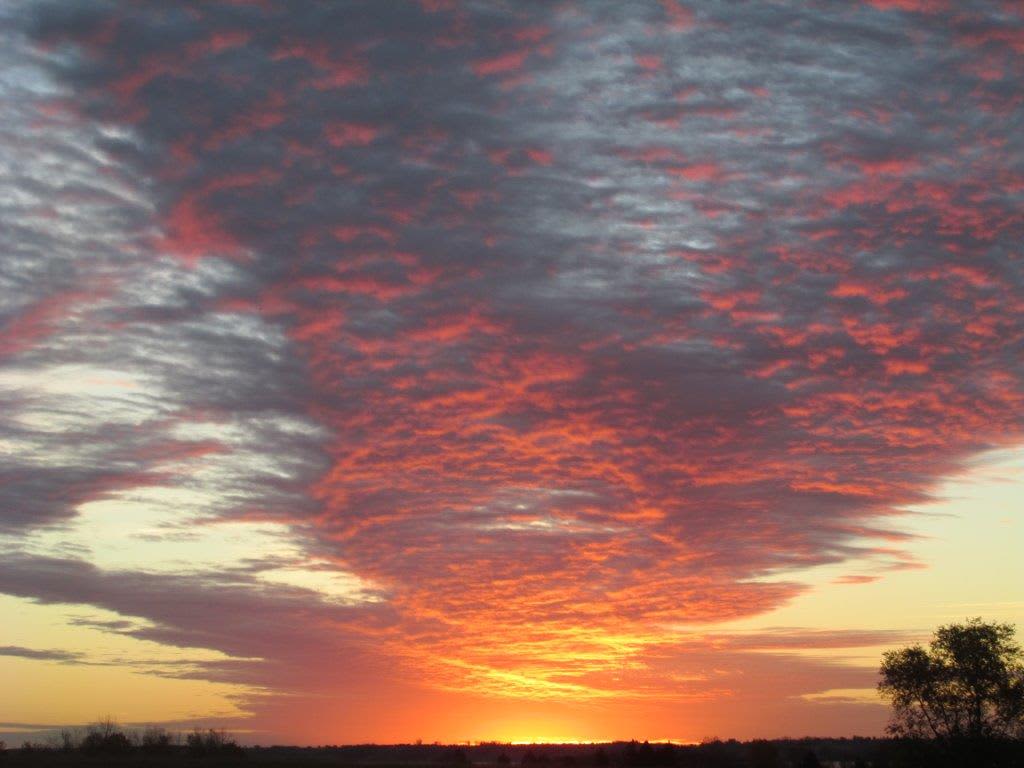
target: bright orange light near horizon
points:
(565, 740)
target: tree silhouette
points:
(105, 735)
(156, 739)
(211, 742)
(968, 685)
(763, 754)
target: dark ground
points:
(789, 753)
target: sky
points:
(375, 371)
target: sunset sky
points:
(479, 369)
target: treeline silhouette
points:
(104, 743)
(106, 739)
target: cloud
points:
(232, 612)
(37, 654)
(558, 323)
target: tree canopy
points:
(967, 685)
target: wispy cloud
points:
(38, 654)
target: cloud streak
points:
(34, 653)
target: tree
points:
(105, 735)
(211, 742)
(156, 739)
(68, 739)
(967, 686)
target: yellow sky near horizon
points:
(969, 541)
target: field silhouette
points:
(104, 745)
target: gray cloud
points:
(34, 653)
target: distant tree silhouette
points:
(68, 739)
(105, 736)
(640, 755)
(810, 760)
(666, 755)
(647, 756)
(211, 742)
(763, 754)
(503, 759)
(968, 685)
(156, 739)
(601, 758)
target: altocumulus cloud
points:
(519, 335)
